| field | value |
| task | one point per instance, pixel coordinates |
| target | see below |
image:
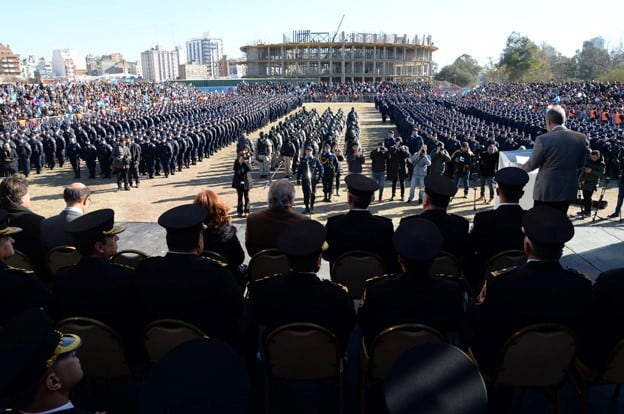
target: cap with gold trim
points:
(28, 347)
(93, 226)
(5, 229)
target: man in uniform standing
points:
(309, 172)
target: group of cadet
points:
(144, 143)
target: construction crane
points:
(338, 28)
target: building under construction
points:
(342, 57)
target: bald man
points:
(77, 200)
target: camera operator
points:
(397, 168)
(420, 162)
(439, 159)
(379, 157)
(356, 159)
(487, 168)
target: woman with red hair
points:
(220, 234)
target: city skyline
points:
(479, 28)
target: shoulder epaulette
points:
(20, 270)
(500, 272)
(123, 266)
(336, 284)
(375, 279)
(265, 278)
(218, 262)
(578, 272)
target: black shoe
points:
(614, 215)
(307, 210)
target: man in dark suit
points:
(39, 365)
(413, 296)
(15, 199)
(359, 229)
(539, 291)
(299, 295)
(497, 230)
(265, 225)
(19, 289)
(95, 287)
(77, 198)
(184, 285)
(559, 154)
(438, 192)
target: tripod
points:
(277, 167)
(602, 193)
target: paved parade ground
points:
(596, 246)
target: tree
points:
(463, 72)
(518, 57)
(593, 62)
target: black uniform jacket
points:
(302, 297)
(99, 289)
(191, 288)
(361, 230)
(454, 231)
(536, 292)
(21, 290)
(400, 298)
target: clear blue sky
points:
(478, 28)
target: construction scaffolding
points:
(349, 57)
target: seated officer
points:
(19, 289)
(358, 229)
(300, 295)
(39, 365)
(495, 231)
(536, 292)
(605, 325)
(184, 285)
(412, 296)
(95, 287)
(439, 190)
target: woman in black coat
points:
(242, 182)
(220, 234)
